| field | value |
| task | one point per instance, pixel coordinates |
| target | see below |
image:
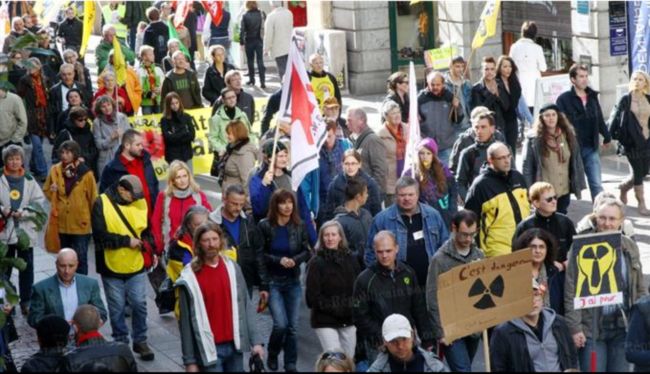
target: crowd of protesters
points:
(362, 240)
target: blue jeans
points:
(610, 355)
(591, 161)
(284, 303)
(563, 203)
(80, 245)
(460, 353)
(117, 291)
(146, 110)
(37, 163)
(228, 360)
(254, 51)
(443, 156)
(25, 277)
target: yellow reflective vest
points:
(125, 260)
(112, 17)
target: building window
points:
(411, 31)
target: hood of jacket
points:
(547, 313)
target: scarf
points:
(151, 80)
(397, 133)
(21, 172)
(84, 337)
(554, 143)
(230, 112)
(69, 175)
(182, 194)
(41, 100)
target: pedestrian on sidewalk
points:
(217, 319)
(214, 81)
(251, 34)
(178, 131)
(278, 28)
(629, 124)
(582, 108)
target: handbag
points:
(146, 238)
(166, 297)
(52, 239)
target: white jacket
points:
(31, 194)
(278, 28)
(529, 58)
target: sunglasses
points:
(551, 198)
(334, 355)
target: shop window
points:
(411, 31)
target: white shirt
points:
(64, 93)
(529, 58)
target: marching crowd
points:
(373, 232)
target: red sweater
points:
(136, 167)
(177, 209)
(215, 287)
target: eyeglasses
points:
(551, 198)
(340, 356)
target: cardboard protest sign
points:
(439, 58)
(149, 125)
(482, 294)
(598, 259)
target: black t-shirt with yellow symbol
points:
(16, 187)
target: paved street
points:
(163, 330)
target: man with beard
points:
(500, 199)
(17, 30)
(131, 158)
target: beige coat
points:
(391, 157)
(240, 163)
(277, 32)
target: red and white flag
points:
(300, 108)
(411, 156)
(182, 9)
(215, 8)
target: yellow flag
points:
(89, 22)
(118, 62)
(488, 25)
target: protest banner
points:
(482, 294)
(439, 58)
(597, 257)
(149, 125)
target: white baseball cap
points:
(396, 326)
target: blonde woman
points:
(181, 194)
(629, 125)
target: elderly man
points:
(106, 45)
(13, 118)
(434, 106)
(61, 293)
(58, 93)
(17, 30)
(371, 147)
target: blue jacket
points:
(435, 231)
(114, 170)
(46, 298)
(336, 195)
(260, 196)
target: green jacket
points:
(102, 51)
(46, 298)
(217, 135)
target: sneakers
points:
(143, 350)
(272, 363)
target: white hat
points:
(396, 326)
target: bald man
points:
(61, 293)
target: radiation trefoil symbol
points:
(496, 288)
(596, 270)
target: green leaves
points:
(25, 41)
(19, 264)
(23, 239)
(39, 216)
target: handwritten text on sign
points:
(598, 300)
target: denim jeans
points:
(284, 303)
(591, 161)
(223, 41)
(118, 291)
(460, 353)
(228, 360)
(443, 156)
(563, 203)
(342, 338)
(25, 277)
(254, 51)
(37, 163)
(80, 245)
(610, 355)
(281, 63)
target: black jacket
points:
(45, 360)
(403, 105)
(55, 103)
(378, 293)
(252, 23)
(157, 35)
(336, 194)
(178, 133)
(559, 225)
(272, 107)
(588, 121)
(213, 82)
(298, 246)
(250, 254)
(465, 140)
(329, 288)
(84, 137)
(356, 228)
(71, 30)
(245, 102)
(625, 127)
(97, 355)
(27, 92)
(509, 350)
(481, 96)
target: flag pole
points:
(486, 350)
(276, 136)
